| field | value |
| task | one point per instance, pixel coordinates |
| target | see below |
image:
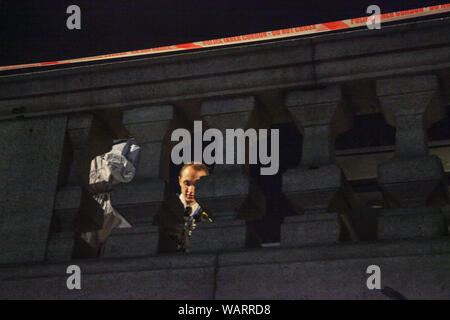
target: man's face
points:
(187, 183)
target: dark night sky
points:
(35, 31)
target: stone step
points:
(218, 236)
(179, 260)
(323, 272)
(132, 242)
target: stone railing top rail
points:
(414, 47)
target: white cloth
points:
(108, 170)
(115, 166)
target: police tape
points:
(254, 37)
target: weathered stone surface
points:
(30, 156)
(316, 193)
(337, 279)
(320, 96)
(411, 177)
(175, 276)
(138, 191)
(376, 42)
(324, 177)
(412, 182)
(286, 272)
(78, 130)
(411, 223)
(214, 107)
(404, 85)
(67, 206)
(139, 200)
(413, 169)
(68, 197)
(228, 113)
(147, 132)
(318, 185)
(347, 250)
(310, 229)
(132, 242)
(218, 236)
(150, 114)
(362, 165)
(389, 63)
(79, 121)
(68, 203)
(446, 213)
(150, 126)
(411, 105)
(320, 115)
(320, 272)
(150, 160)
(330, 58)
(411, 138)
(226, 192)
(60, 247)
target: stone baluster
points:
(318, 187)
(412, 179)
(75, 210)
(141, 199)
(69, 196)
(228, 192)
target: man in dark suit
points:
(180, 212)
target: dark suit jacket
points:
(170, 220)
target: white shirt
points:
(194, 207)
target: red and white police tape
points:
(267, 35)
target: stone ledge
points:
(342, 251)
(219, 236)
(399, 86)
(109, 265)
(243, 70)
(337, 251)
(331, 272)
(376, 41)
(228, 57)
(415, 277)
(215, 107)
(132, 242)
(403, 226)
(153, 114)
(308, 97)
(189, 283)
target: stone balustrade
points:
(412, 180)
(317, 189)
(50, 130)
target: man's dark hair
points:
(196, 166)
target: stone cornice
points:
(408, 48)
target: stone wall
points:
(30, 159)
(52, 123)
